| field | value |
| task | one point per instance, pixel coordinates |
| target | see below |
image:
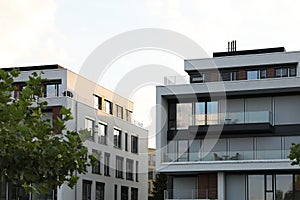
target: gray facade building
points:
(227, 133)
(119, 142)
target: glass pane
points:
(215, 151)
(212, 112)
(51, 91)
(292, 71)
(184, 115)
(269, 183)
(200, 113)
(297, 182)
(256, 187)
(194, 151)
(278, 72)
(182, 150)
(263, 73)
(269, 196)
(241, 148)
(252, 75)
(268, 148)
(284, 186)
(284, 72)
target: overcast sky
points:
(37, 32)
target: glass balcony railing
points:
(226, 156)
(247, 117)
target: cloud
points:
(28, 33)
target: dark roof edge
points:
(246, 52)
(38, 67)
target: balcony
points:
(229, 123)
(229, 150)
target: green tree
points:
(36, 153)
(295, 154)
(160, 185)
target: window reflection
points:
(184, 115)
(200, 113)
(284, 186)
(256, 187)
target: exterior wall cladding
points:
(118, 142)
(227, 134)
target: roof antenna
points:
(231, 46)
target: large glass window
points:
(128, 115)
(200, 113)
(96, 169)
(53, 89)
(119, 167)
(129, 169)
(108, 107)
(285, 71)
(106, 164)
(100, 188)
(256, 74)
(134, 144)
(137, 171)
(284, 186)
(86, 190)
(102, 133)
(117, 138)
(256, 187)
(124, 193)
(89, 126)
(229, 76)
(134, 194)
(184, 115)
(212, 112)
(119, 111)
(97, 102)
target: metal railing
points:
(176, 80)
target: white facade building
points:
(121, 145)
(227, 134)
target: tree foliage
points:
(36, 153)
(160, 185)
(295, 154)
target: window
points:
(119, 111)
(100, 188)
(229, 76)
(86, 190)
(124, 193)
(117, 138)
(137, 171)
(150, 173)
(89, 125)
(102, 133)
(182, 150)
(129, 169)
(134, 144)
(116, 192)
(119, 167)
(198, 78)
(184, 115)
(128, 115)
(97, 102)
(96, 169)
(285, 71)
(256, 74)
(126, 141)
(53, 89)
(206, 113)
(106, 164)
(134, 193)
(108, 107)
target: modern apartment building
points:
(227, 133)
(151, 171)
(116, 139)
